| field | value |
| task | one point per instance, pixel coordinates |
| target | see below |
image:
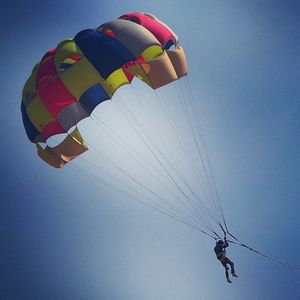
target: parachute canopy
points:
(80, 73)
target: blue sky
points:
(67, 237)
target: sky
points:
(64, 236)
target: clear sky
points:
(64, 236)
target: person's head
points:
(220, 243)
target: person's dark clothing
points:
(221, 256)
(220, 249)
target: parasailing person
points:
(220, 250)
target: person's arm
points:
(226, 243)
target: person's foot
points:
(234, 275)
(228, 280)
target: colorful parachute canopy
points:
(80, 73)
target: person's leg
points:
(228, 261)
(226, 271)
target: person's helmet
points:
(220, 243)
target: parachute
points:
(80, 73)
(72, 79)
